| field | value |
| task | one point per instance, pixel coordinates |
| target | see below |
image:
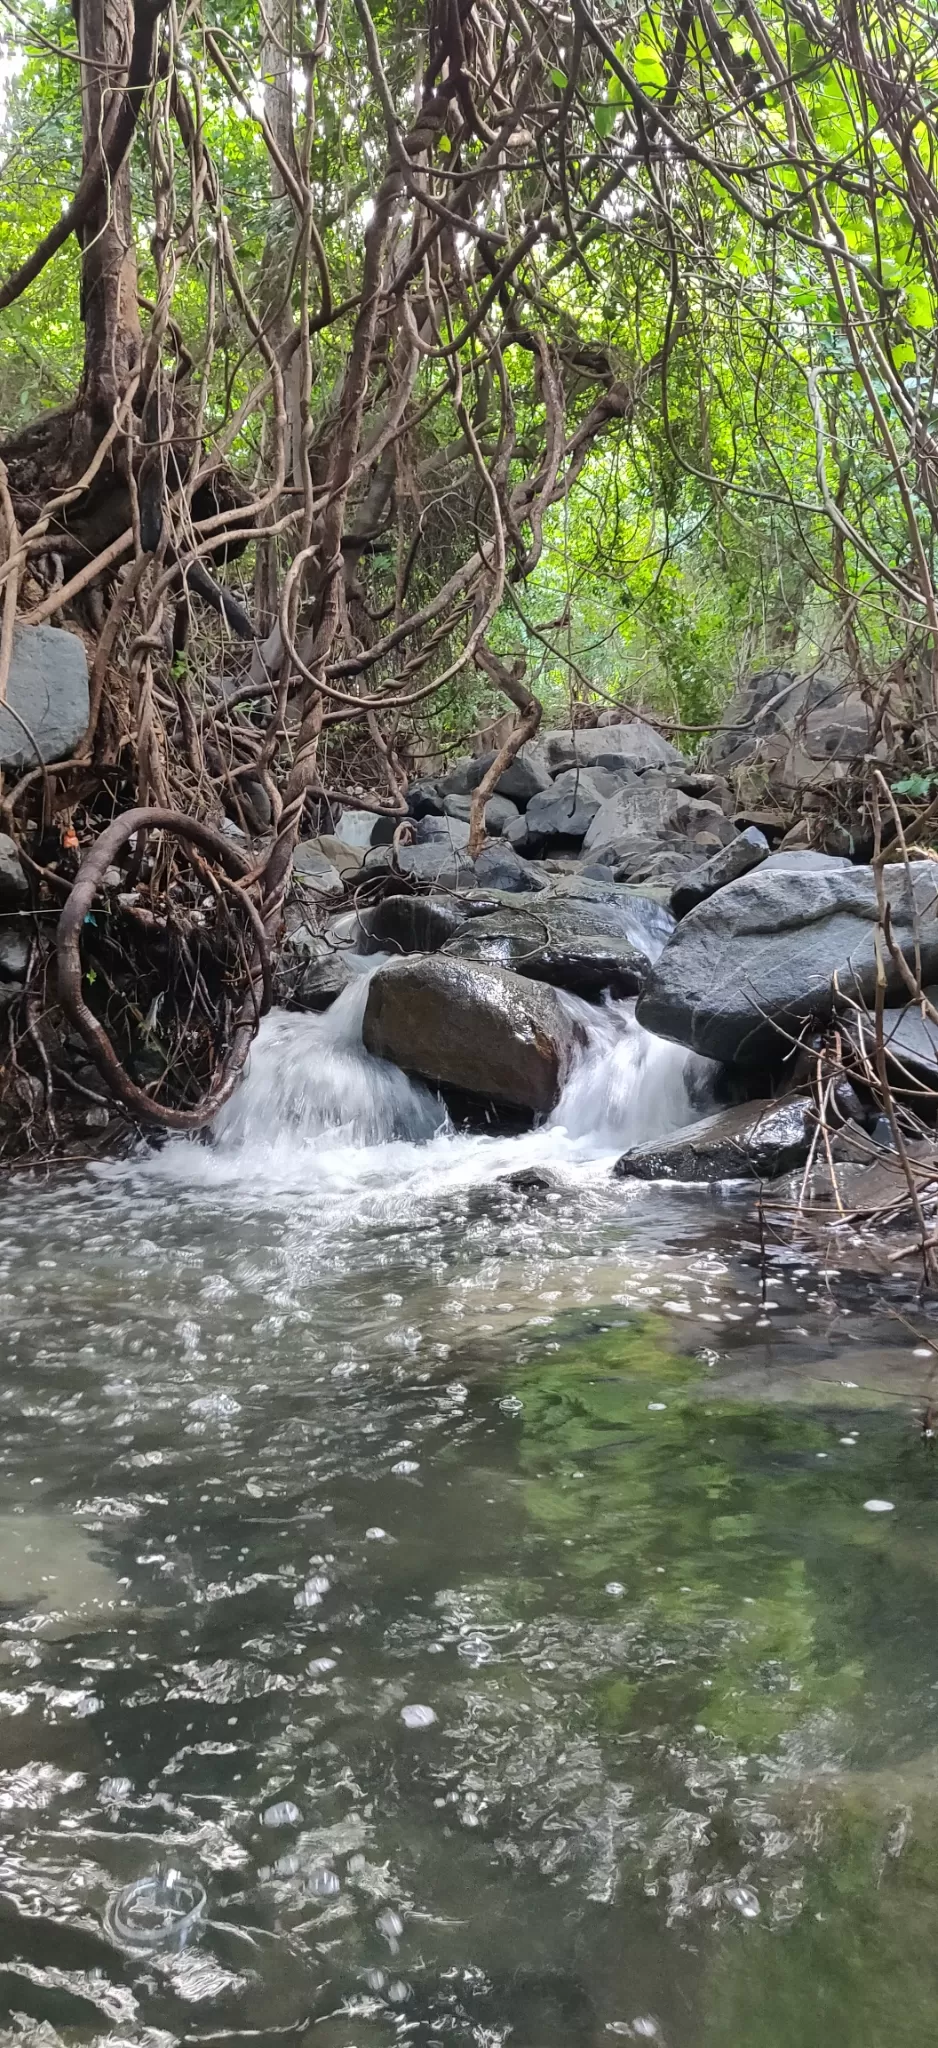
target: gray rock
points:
(564, 811)
(650, 815)
(498, 867)
(476, 1028)
(500, 812)
(647, 923)
(910, 1037)
(14, 950)
(748, 851)
(310, 974)
(342, 856)
(450, 830)
(771, 703)
(47, 689)
(425, 800)
(747, 970)
(635, 745)
(311, 867)
(365, 828)
(584, 947)
(804, 860)
(527, 775)
(14, 888)
(754, 1141)
(412, 924)
(440, 864)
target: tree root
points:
(89, 878)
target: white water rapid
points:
(317, 1112)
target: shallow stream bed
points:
(515, 1608)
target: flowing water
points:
(440, 1609)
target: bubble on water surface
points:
(377, 1536)
(404, 1468)
(743, 1901)
(157, 1912)
(324, 1883)
(615, 1589)
(282, 1814)
(318, 1666)
(391, 1926)
(879, 1507)
(418, 1717)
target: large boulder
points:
(563, 812)
(650, 815)
(585, 947)
(635, 745)
(754, 1141)
(46, 709)
(747, 970)
(366, 828)
(500, 867)
(475, 1028)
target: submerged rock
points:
(754, 1141)
(584, 947)
(459, 1024)
(748, 969)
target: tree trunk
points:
(109, 262)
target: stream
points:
(509, 1605)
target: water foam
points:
(316, 1111)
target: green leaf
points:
(605, 119)
(559, 77)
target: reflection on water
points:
(469, 1589)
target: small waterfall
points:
(315, 1107)
(310, 1079)
(627, 1085)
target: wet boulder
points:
(587, 948)
(753, 1141)
(744, 853)
(477, 1028)
(410, 924)
(14, 950)
(750, 968)
(633, 746)
(46, 709)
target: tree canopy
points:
(358, 362)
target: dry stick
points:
(882, 907)
(510, 677)
(15, 557)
